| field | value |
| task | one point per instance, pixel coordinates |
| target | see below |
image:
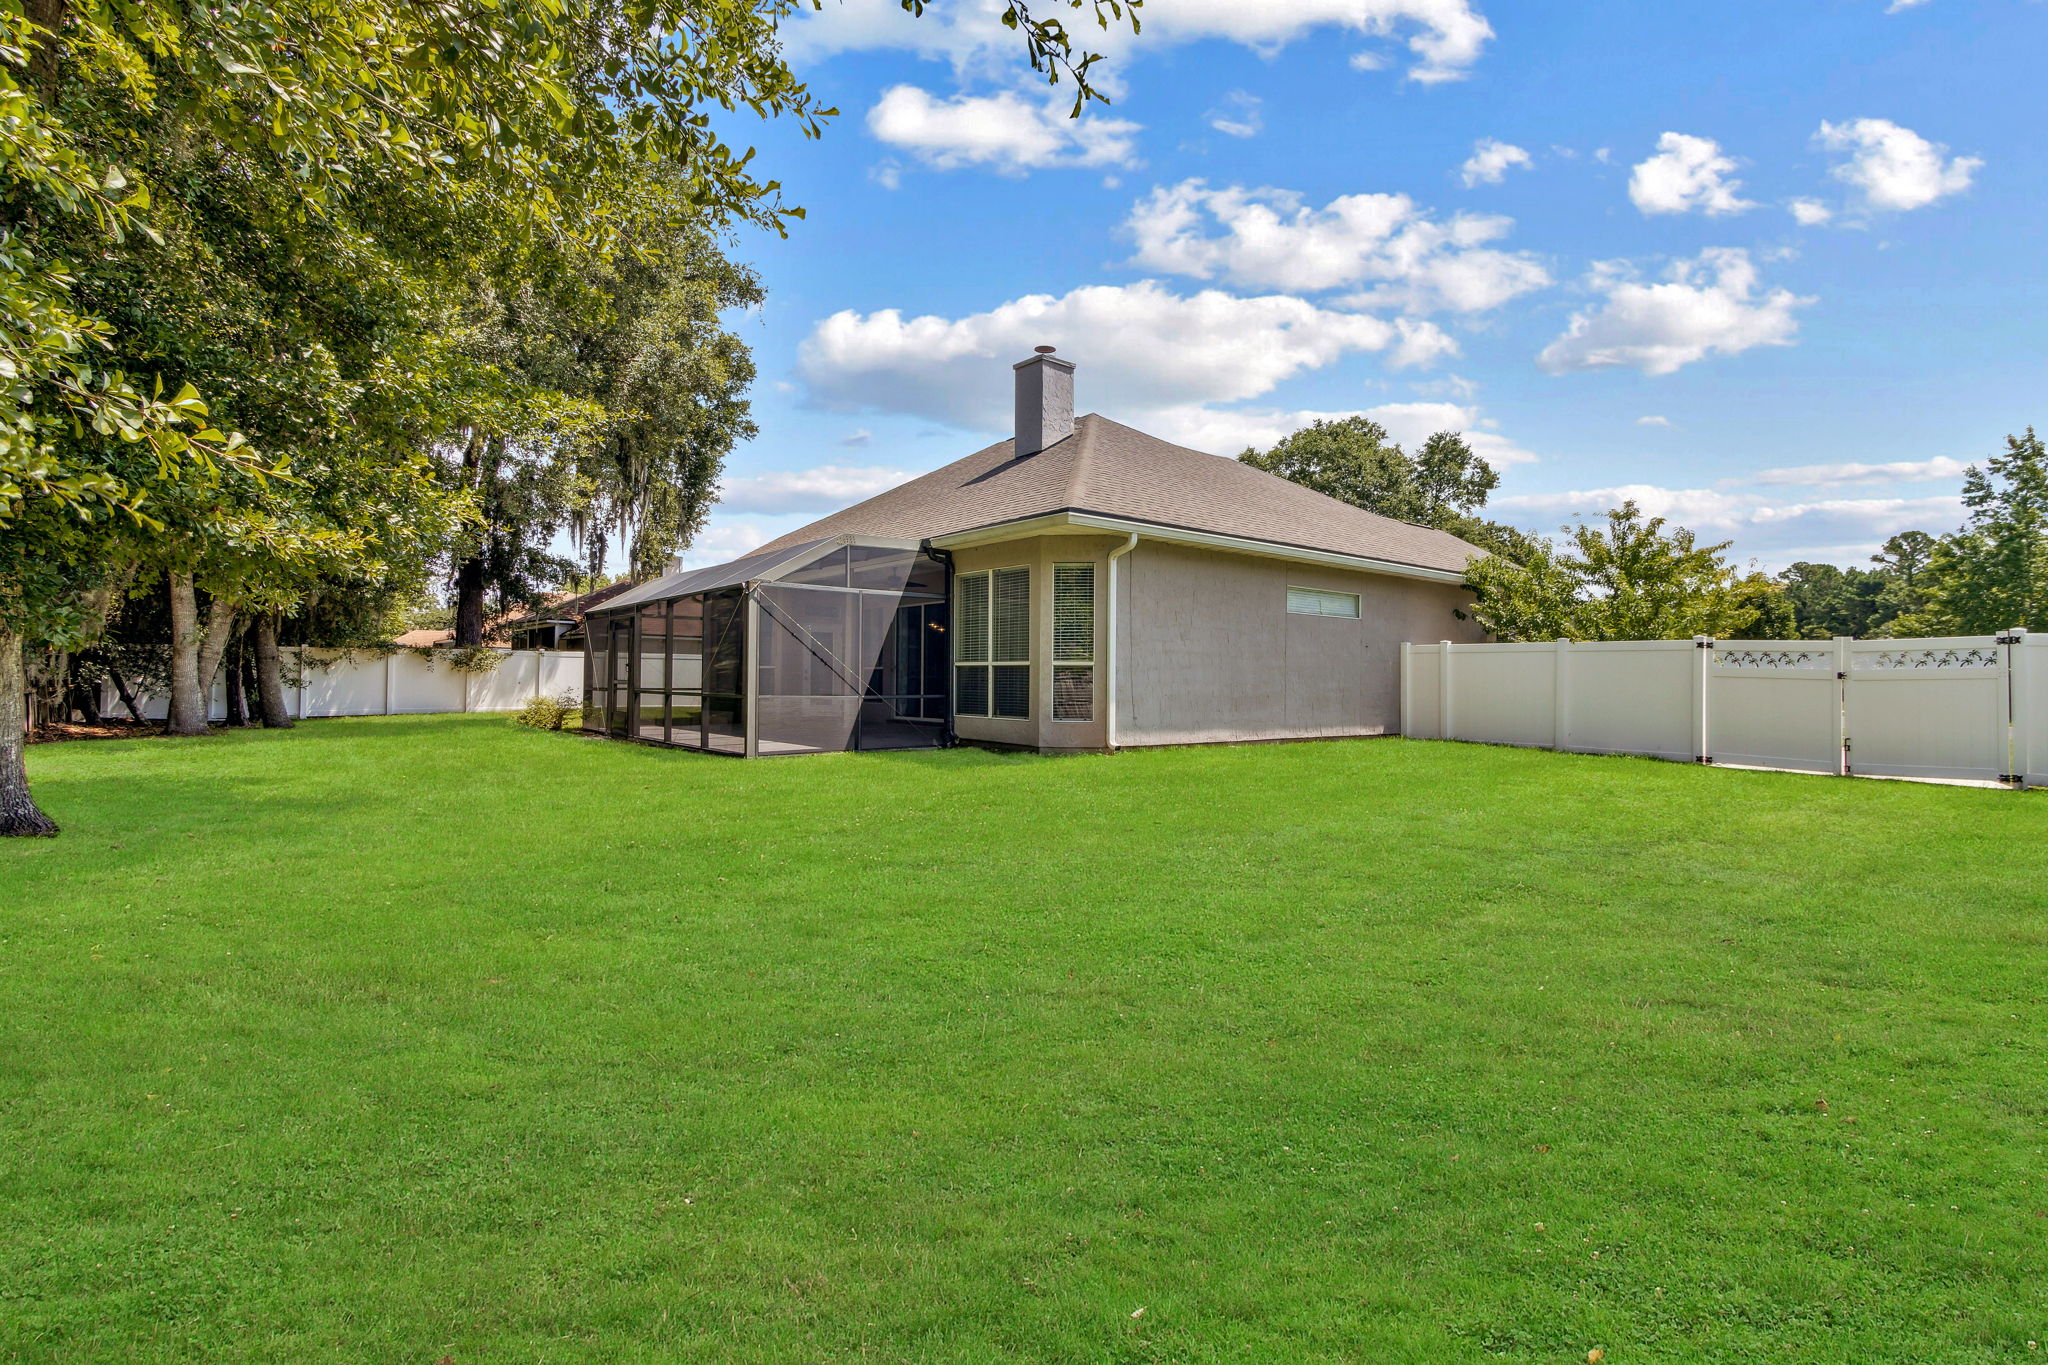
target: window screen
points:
(992, 643)
(1318, 602)
(1073, 641)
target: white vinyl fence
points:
(1969, 707)
(334, 683)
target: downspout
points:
(1109, 676)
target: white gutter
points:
(1109, 677)
(1090, 521)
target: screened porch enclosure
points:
(836, 645)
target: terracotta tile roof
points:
(1116, 471)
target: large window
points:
(1073, 642)
(992, 643)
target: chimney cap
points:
(1045, 350)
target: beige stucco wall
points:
(1039, 554)
(1208, 653)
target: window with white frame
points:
(1073, 642)
(1321, 602)
(992, 644)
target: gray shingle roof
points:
(1113, 470)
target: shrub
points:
(548, 713)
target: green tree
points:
(1993, 573)
(1629, 579)
(426, 133)
(1833, 601)
(633, 395)
(1353, 460)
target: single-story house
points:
(1081, 586)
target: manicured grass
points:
(404, 1039)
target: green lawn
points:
(412, 1038)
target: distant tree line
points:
(1629, 576)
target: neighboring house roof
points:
(564, 607)
(559, 607)
(1110, 470)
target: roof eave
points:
(1071, 520)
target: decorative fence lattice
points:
(1973, 708)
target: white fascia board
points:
(1057, 522)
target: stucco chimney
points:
(1045, 401)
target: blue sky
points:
(1774, 270)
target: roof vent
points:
(1045, 401)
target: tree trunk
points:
(83, 696)
(195, 654)
(45, 52)
(238, 713)
(469, 573)
(18, 813)
(469, 602)
(269, 674)
(252, 686)
(127, 697)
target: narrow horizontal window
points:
(1321, 602)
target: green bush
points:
(548, 713)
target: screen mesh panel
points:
(1073, 692)
(1012, 688)
(1011, 612)
(1073, 612)
(970, 627)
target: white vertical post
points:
(1844, 763)
(540, 662)
(1408, 689)
(2019, 712)
(1703, 655)
(1561, 693)
(1443, 682)
(390, 671)
(299, 654)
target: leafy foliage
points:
(548, 713)
(1993, 573)
(1630, 579)
(1353, 460)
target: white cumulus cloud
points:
(1710, 305)
(1004, 132)
(1839, 530)
(1227, 431)
(1895, 168)
(824, 488)
(1142, 349)
(1687, 173)
(1810, 212)
(1268, 238)
(1653, 421)
(1240, 115)
(1444, 37)
(1895, 471)
(1490, 162)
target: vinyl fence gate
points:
(1956, 707)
